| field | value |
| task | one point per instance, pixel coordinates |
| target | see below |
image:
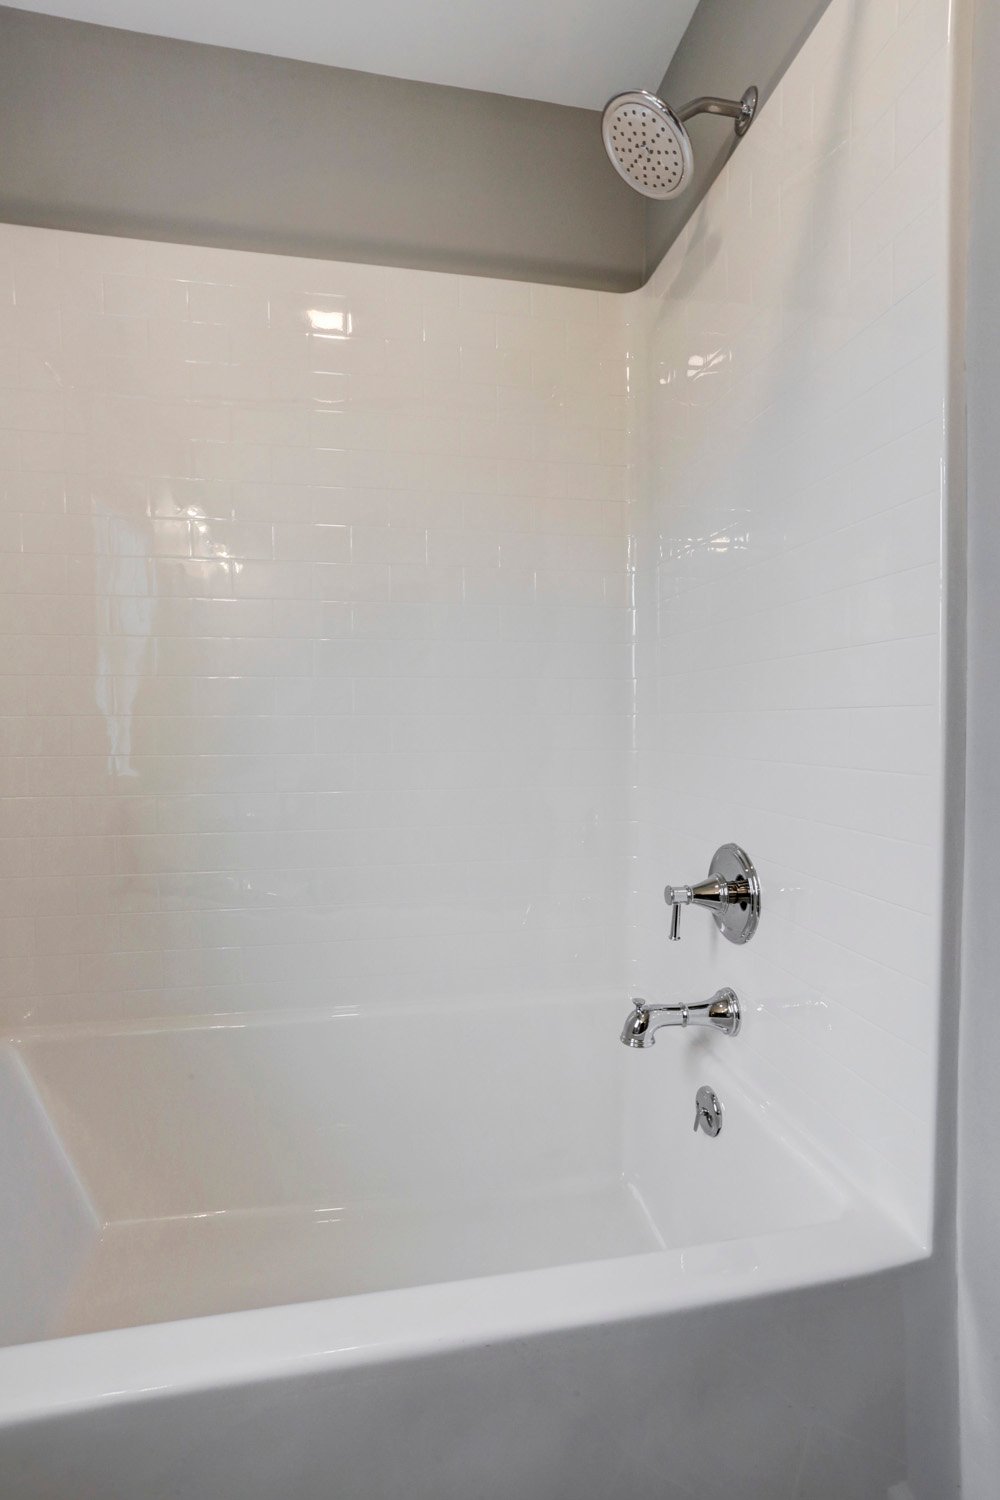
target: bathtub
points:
(247, 1207)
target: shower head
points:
(648, 144)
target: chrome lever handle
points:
(677, 896)
(730, 891)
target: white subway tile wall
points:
(790, 588)
(325, 683)
(316, 681)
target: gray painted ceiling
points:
(566, 51)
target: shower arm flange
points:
(740, 110)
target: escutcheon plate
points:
(737, 919)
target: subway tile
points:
(812, 731)
(272, 580)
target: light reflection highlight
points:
(333, 322)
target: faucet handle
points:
(677, 896)
(730, 891)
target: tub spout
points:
(722, 1011)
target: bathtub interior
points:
(179, 1172)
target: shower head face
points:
(647, 144)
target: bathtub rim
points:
(83, 1372)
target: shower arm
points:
(740, 110)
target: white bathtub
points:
(220, 1206)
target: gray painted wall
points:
(114, 132)
(979, 1097)
(929, 1349)
(728, 45)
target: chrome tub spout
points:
(721, 1011)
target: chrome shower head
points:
(648, 144)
